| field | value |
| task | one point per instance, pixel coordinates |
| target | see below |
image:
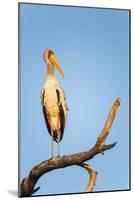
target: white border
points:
(9, 94)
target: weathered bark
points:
(28, 184)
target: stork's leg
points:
(58, 148)
(52, 141)
(59, 125)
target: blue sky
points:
(92, 48)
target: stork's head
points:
(50, 59)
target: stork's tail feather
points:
(55, 127)
(56, 136)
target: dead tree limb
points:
(92, 174)
(28, 184)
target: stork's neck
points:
(50, 72)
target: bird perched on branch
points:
(53, 100)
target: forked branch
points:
(27, 187)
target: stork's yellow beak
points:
(55, 63)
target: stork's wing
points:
(64, 100)
(44, 110)
(61, 114)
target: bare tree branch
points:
(92, 179)
(108, 124)
(28, 184)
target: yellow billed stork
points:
(53, 100)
